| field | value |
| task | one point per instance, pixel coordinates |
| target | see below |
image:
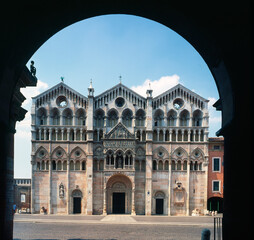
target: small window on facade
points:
(154, 165)
(53, 165)
(200, 167)
(173, 167)
(185, 165)
(23, 198)
(216, 164)
(160, 167)
(216, 186)
(143, 166)
(71, 165)
(83, 165)
(216, 147)
(38, 166)
(65, 165)
(179, 165)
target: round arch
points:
(120, 194)
(216, 33)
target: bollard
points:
(205, 235)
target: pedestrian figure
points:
(14, 208)
(44, 210)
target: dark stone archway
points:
(215, 204)
(219, 30)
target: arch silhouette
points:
(221, 35)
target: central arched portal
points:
(120, 195)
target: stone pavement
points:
(206, 221)
(110, 227)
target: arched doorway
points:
(76, 200)
(119, 195)
(215, 204)
(159, 202)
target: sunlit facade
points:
(119, 152)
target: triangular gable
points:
(60, 85)
(180, 86)
(120, 85)
(119, 132)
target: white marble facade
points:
(119, 152)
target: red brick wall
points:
(215, 175)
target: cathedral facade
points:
(119, 152)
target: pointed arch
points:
(140, 118)
(197, 154)
(54, 116)
(180, 153)
(41, 154)
(80, 117)
(42, 116)
(171, 118)
(160, 152)
(58, 152)
(74, 153)
(158, 118)
(99, 115)
(184, 118)
(127, 116)
(112, 117)
(197, 118)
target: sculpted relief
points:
(119, 132)
(123, 139)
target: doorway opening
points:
(76, 197)
(159, 206)
(77, 205)
(118, 203)
(215, 204)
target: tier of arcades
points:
(68, 133)
(176, 115)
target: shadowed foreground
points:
(64, 231)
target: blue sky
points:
(105, 47)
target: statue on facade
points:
(119, 163)
(32, 69)
(61, 190)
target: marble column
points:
(169, 187)
(133, 212)
(188, 189)
(50, 134)
(33, 168)
(50, 210)
(40, 134)
(104, 198)
(68, 186)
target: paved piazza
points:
(109, 227)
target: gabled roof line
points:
(56, 86)
(122, 85)
(183, 87)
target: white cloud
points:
(23, 134)
(30, 92)
(215, 116)
(212, 100)
(24, 127)
(158, 86)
